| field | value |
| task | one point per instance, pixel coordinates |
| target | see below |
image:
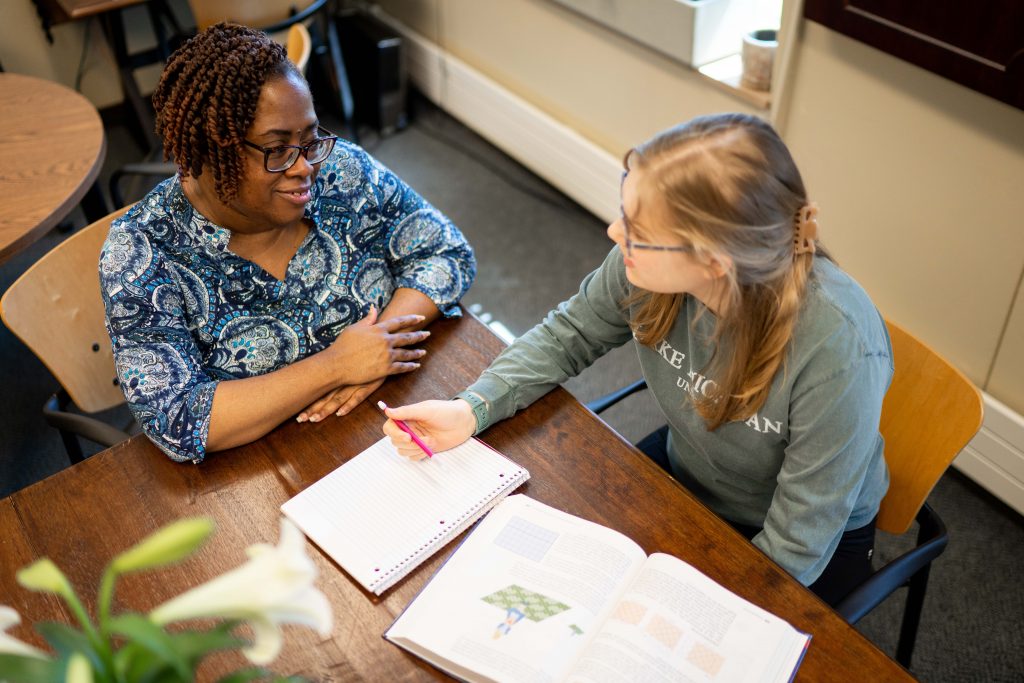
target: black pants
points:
(850, 565)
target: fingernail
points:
(302, 418)
(421, 318)
(421, 352)
(314, 418)
(341, 411)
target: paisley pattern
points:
(184, 312)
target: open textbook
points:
(536, 594)
(380, 515)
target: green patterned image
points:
(519, 603)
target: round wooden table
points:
(52, 146)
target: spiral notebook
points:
(380, 515)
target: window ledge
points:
(725, 74)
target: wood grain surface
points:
(51, 149)
(85, 514)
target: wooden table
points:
(60, 11)
(84, 515)
(52, 146)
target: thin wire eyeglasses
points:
(630, 244)
(282, 157)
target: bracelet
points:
(481, 411)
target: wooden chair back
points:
(56, 309)
(929, 414)
(299, 45)
(296, 38)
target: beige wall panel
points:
(24, 50)
(608, 88)
(419, 15)
(919, 182)
(1007, 380)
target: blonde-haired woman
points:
(769, 362)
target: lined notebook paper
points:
(380, 515)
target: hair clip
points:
(805, 231)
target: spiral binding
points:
(392, 575)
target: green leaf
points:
(63, 638)
(142, 631)
(245, 675)
(170, 544)
(67, 640)
(194, 645)
(135, 663)
(19, 669)
(168, 675)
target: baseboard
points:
(583, 171)
(995, 457)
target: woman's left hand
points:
(343, 399)
(340, 401)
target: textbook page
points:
(675, 624)
(518, 600)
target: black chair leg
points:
(59, 402)
(341, 82)
(94, 205)
(144, 128)
(159, 11)
(73, 447)
(912, 616)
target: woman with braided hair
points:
(768, 361)
(281, 272)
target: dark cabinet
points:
(979, 44)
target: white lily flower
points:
(274, 587)
(9, 645)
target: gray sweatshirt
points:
(807, 467)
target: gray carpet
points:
(533, 246)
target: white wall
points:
(920, 182)
(605, 86)
(918, 177)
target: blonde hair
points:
(730, 186)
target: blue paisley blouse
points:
(184, 312)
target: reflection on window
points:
(695, 32)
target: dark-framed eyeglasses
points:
(280, 158)
(626, 230)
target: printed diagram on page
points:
(517, 603)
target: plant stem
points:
(104, 599)
(99, 643)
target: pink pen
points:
(405, 428)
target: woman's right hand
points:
(439, 424)
(369, 350)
